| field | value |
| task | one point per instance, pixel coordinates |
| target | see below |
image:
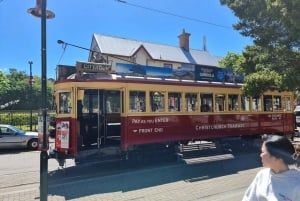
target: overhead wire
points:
(173, 14)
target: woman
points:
(278, 181)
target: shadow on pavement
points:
(96, 178)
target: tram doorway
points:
(99, 116)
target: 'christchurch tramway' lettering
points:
(219, 126)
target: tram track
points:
(24, 181)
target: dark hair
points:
(281, 148)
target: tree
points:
(268, 22)
(15, 89)
(261, 81)
(233, 61)
(4, 85)
(274, 26)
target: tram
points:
(128, 112)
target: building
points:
(113, 50)
(119, 50)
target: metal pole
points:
(44, 153)
(40, 11)
(30, 93)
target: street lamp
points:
(31, 81)
(41, 12)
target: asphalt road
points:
(224, 178)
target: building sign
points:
(93, 67)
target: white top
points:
(268, 186)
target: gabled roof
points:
(128, 47)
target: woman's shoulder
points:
(265, 172)
(294, 173)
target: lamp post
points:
(41, 12)
(30, 91)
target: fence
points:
(22, 119)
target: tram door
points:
(100, 120)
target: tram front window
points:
(64, 102)
(287, 103)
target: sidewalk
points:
(224, 181)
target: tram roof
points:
(128, 47)
(90, 77)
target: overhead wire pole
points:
(40, 11)
(44, 154)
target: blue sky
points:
(77, 20)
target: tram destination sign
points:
(93, 67)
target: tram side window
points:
(191, 103)
(277, 103)
(267, 103)
(245, 103)
(65, 102)
(256, 104)
(174, 101)
(220, 102)
(286, 102)
(137, 101)
(233, 102)
(206, 102)
(157, 101)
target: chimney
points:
(184, 40)
(204, 44)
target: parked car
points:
(13, 138)
(297, 114)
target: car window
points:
(6, 131)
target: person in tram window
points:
(280, 179)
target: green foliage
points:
(268, 22)
(233, 61)
(16, 87)
(21, 119)
(4, 83)
(257, 83)
(274, 26)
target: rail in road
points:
(19, 175)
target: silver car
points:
(13, 138)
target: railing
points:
(22, 118)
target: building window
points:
(166, 65)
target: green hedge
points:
(21, 119)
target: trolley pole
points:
(40, 11)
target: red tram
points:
(128, 112)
